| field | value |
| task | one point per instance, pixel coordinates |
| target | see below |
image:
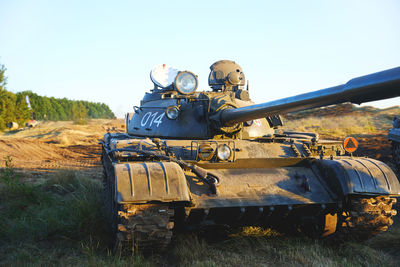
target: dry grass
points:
(59, 221)
(267, 250)
(333, 126)
(342, 120)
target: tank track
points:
(146, 227)
(142, 227)
(364, 218)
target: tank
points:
(394, 136)
(192, 159)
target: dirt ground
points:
(57, 145)
(64, 145)
(375, 146)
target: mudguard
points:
(142, 182)
(359, 176)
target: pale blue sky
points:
(103, 51)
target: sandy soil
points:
(63, 145)
(57, 145)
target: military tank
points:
(191, 159)
(394, 136)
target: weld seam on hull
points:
(370, 174)
(358, 174)
(130, 178)
(148, 177)
(384, 174)
(165, 176)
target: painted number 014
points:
(151, 118)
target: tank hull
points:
(280, 183)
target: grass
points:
(342, 120)
(60, 221)
(334, 126)
(277, 250)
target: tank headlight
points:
(224, 152)
(206, 152)
(186, 82)
(163, 75)
(172, 112)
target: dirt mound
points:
(36, 154)
(56, 145)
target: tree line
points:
(14, 107)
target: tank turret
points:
(175, 110)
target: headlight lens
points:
(172, 112)
(186, 82)
(163, 75)
(206, 152)
(224, 152)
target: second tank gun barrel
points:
(376, 86)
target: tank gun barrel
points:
(375, 86)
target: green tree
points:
(51, 108)
(22, 112)
(12, 107)
(79, 113)
(3, 82)
(3, 78)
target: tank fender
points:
(141, 182)
(358, 176)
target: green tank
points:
(203, 158)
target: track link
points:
(146, 227)
(366, 217)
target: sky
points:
(103, 51)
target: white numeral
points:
(145, 119)
(154, 118)
(158, 120)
